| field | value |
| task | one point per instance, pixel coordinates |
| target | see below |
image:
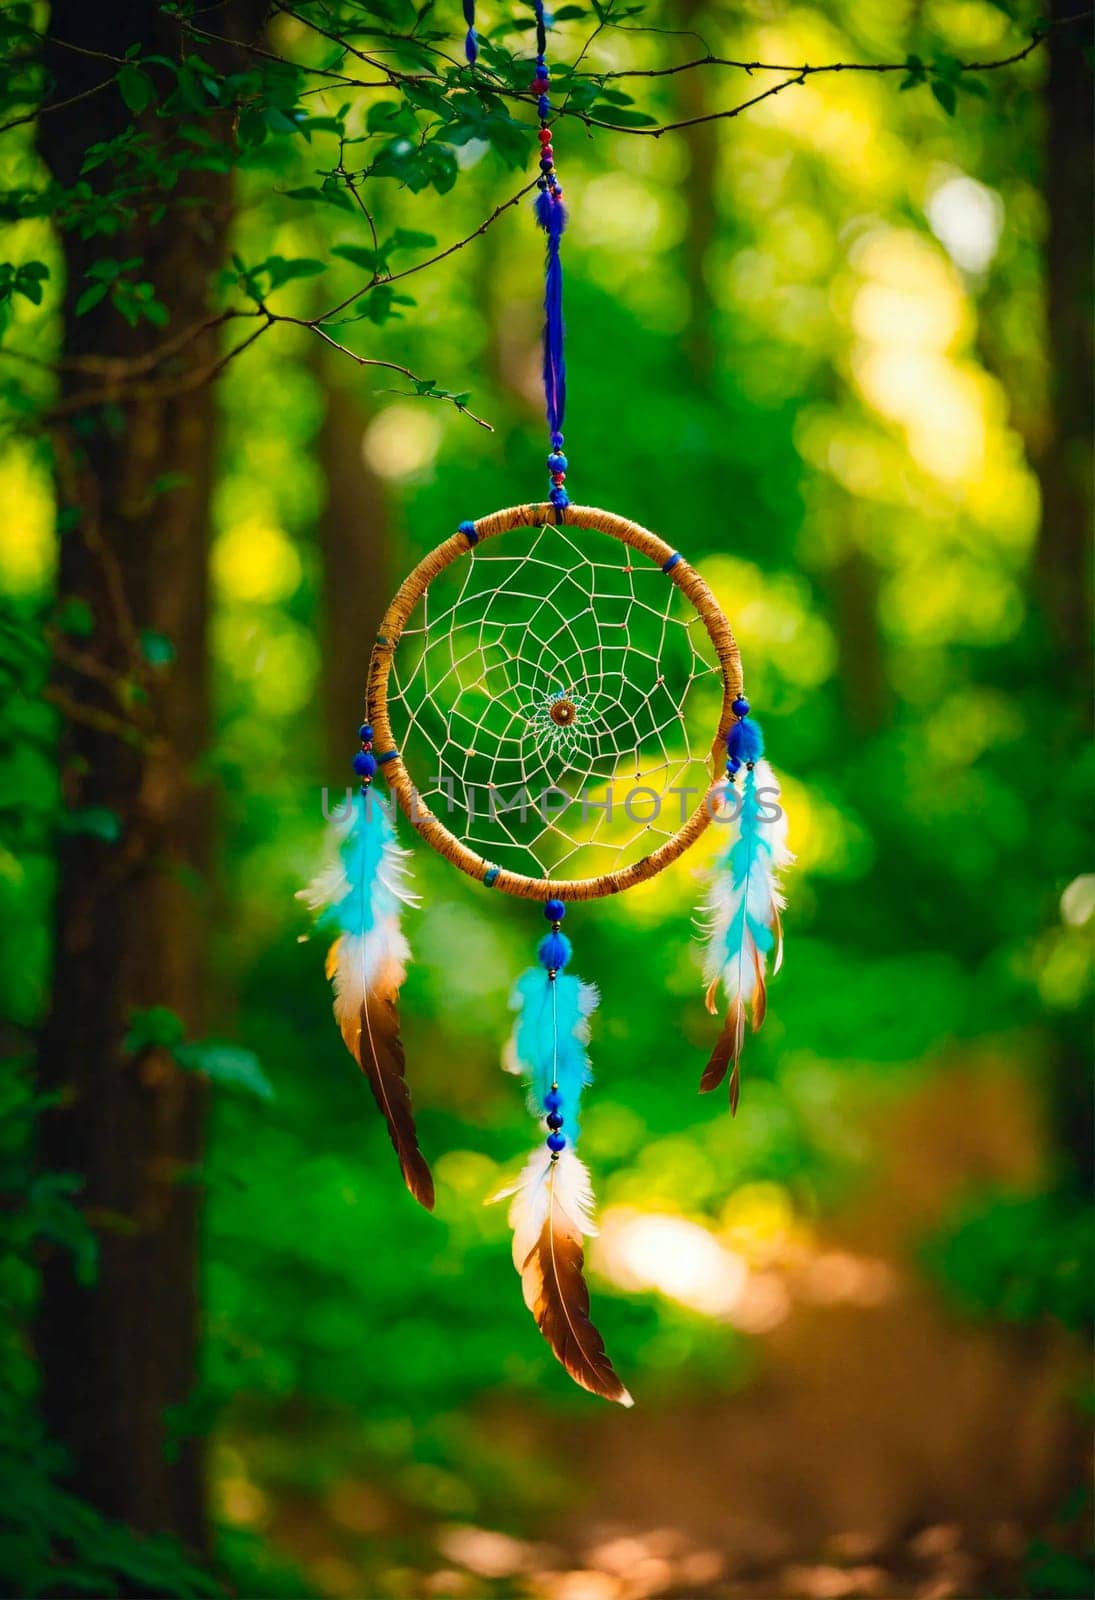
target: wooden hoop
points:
(395, 773)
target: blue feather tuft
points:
(745, 741)
(554, 951)
(368, 898)
(550, 1040)
(754, 857)
(552, 217)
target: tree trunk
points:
(1064, 544)
(701, 190)
(130, 917)
(356, 546)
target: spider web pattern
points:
(532, 620)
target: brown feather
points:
(760, 991)
(372, 1038)
(558, 1297)
(735, 1088)
(728, 1048)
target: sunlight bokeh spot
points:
(254, 561)
(967, 218)
(403, 440)
(27, 549)
(678, 1258)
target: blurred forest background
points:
(838, 348)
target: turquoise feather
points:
(550, 1038)
(363, 888)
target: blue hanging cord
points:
(471, 43)
(551, 216)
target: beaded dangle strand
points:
(552, 217)
(553, 954)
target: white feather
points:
(564, 1184)
(738, 968)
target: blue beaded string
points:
(553, 953)
(744, 740)
(551, 216)
(471, 44)
(365, 762)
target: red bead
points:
(545, 135)
(558, 479)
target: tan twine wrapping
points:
(399, 780)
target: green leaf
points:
(228, 1065)
(390, 117)
(136, 89)
(281, 271)
(360, 256)
(946, 95)
(407, 239)
(91, 297)
(157, 1027)
(97, 822)
(619, 118)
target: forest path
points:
(887, 1447)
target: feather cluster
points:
(552, 1208)
(359, 895)
(743, 907)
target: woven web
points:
(542, 676)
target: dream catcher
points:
(555, 700)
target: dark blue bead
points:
(365, 764)
(364, 733)
(554, 1121)
(554, 910)
(557, 462)
(543, 106)
(740, 706)
(560, 498)
(733, 764)
(553, 1100)
(556, 1142)
(546, 166)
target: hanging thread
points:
(551, 216)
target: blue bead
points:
(554, 910)
(364, 733)
(554, 1121)
(733, 764)
(556, 441)
(740, 706)
(365, 764)
(553, 1100)
(554, 952)
(560, 498)
(556, 1142)
(557, 462)
(543, 106)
